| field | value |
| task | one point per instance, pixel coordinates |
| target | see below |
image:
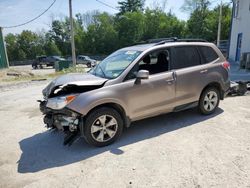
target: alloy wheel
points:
(104, 128)
(210, 101)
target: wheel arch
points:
(115, 106)
(215, 85)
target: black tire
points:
(89, 65)
(34, 66)
(204, 104)
(93, 118)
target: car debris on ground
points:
(239, 88)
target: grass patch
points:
(14, 75)
(76, 69)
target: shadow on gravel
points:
(45, 150)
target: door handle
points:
(170, 81)
(203, 71)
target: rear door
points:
(190, 74)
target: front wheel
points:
(103, 126)
(34, 66)
(209, 101)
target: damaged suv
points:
(134, 83)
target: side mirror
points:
(142, 74)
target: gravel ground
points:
(181, 149)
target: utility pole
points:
(72, 34)
(4, 62)
(219, 25)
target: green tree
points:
(158, 24)
(11, 46)
(51, 49)
(60, 33)
(192, 5)
(197, 24)
(101, 36)
(26, 45)
(21, 55)
(203, 23)
(130, 28)
(102, 33)
(80, 34)
(213, 20)
(30, 43)
(130, 6)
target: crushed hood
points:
(83, 79)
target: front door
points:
(154, 95)
(238, 49)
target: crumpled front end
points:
(58, 94)
(63, 120)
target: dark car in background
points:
(46, 61)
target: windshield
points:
(112, 66)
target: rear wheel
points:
(209, 100)
(103, 126)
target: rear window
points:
(208, 53)
(185, 56)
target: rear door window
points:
(185, 56)
(208, 53)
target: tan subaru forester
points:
(134, 83)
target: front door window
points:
(154, 62)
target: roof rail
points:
(160, 41)
(192, 40)
(173, 39)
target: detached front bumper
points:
(64, 120)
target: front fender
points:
(89, 100)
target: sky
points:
(13, 12)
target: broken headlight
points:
(58, 103)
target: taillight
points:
(226, 65)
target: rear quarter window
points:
(208, 53)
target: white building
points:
(240, 29)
